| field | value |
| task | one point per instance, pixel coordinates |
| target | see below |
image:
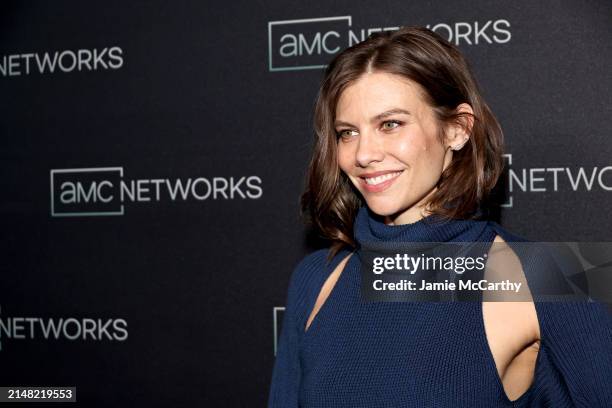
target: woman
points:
(406, 151)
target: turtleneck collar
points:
(369, 228)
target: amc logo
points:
(305, 43)
(86, 192)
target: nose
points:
(369, 150)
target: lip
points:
(378, 187)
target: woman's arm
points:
(578, 337)
(286, 375)
(577, 334)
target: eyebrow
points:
(382, 115)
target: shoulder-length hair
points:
(330, 202)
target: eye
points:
(394, 124)
(344, 134)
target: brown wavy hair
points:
(330, 202)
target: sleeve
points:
(286, 373)
(578, 336)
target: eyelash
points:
(397, 122)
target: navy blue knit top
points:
(426, 354)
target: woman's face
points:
(388, 145)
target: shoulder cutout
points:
(327, 288)
(511, 327)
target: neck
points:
(411, 215)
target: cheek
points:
(423, 152)
(429, 148)
(410, 148)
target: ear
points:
(457, 134)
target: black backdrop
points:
(169, 297)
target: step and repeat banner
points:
(153, 154)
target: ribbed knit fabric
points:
(427, 354)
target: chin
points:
(383, 208)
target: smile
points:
(377, 180)
(379, 183)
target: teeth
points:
(380, 179)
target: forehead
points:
(375, 92)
